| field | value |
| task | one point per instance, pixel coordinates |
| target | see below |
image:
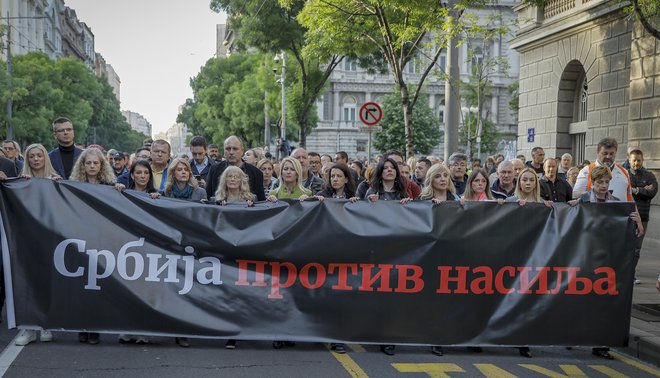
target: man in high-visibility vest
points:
(605, 154)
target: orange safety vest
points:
(628, 192)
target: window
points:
(583, 101)
(578, 147)
(350, 65)
(349, 106)
(361, 145)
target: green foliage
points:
(427, 126)
(43, 89)
(229, 98)
(489, 134)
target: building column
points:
(336, 106)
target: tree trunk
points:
(407, 121)
(302, 135)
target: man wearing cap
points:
(118, 163)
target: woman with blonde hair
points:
(438, 186)
(528, 189)
(291, 185)
(253, 156)
(233, 187)
(93, 168)
(268, 169)
(364, 185)
(181, 184)
(38, 163)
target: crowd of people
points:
(239, 177)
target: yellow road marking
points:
(570, 370)
(349, 364)
(636, 364)
(357, 348)
(608, 371)
(492, 371)
(432, 370)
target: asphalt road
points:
(162, 358)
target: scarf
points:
(184, 194)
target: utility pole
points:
(452, 105)
(10, 99)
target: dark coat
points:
(640, 179)
(8, 167)
(56, 159)
(255, 179)
(559, 191)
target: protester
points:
(644, 188)
(234, 188)
(93, 168)
(267, 168)
(181, 184)
(554, 188)
(291, 185)
(38, 163)
(358, 167)
(364, 185)
(65, 154)
(201, 163)
(214, 153)
(458, 168)
(421, 168)
(253, 156)
(413, 190)
(528, 189)
(315, 163)
(505, 183)
(565, 164)
(233, 148)
(141, 179)
(571, 176)
(340, 184)
(538, 156)
(160, 160)
(438, 187)
(387, 183)
(13, 153)
(310, 181)
(477, 187)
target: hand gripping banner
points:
(87, 257)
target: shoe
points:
(387, 349)
(182, 342)
(278, 344)
(93, 338)
(525, 352)
(25, 337)
(437, 350)
(636, 281)
(124, 339)
(604, 353)
(142, 340)
(338, 348)
(83, 336)
(476, 349)
(231, 344)
(46, 336)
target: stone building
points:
(77, 39)
(27, 30)
(137, 122)
(587, 71)
(349, 87)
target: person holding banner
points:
(477, 187)
(267, 168)
(140, 179)
(387, 184)
(528, 189)
(438, 186)
(340, 184)
(291, 185)
(93, 168)
(181, 184)
(38, 163)
(234, 188)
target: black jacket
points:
(640, 179)
(559, 191)
(255, 179)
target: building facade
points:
(25, 24)
(137, 122)
(587, 71)
(349, 87)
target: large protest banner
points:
(86, 257)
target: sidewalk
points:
(645, 317)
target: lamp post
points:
(282, 78)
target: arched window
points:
(583, 100)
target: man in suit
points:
(65, 154)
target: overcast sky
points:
(155, 46)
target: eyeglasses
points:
(61, 131)
(233, 177)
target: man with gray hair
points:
(505, 185)
(564, 165)
(458, 170)
(309, 179)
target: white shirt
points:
(620, 184)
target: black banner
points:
(86, 257)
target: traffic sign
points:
(371, 113)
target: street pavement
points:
(162, 358)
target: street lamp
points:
(282, 78)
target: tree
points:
(273, 28)
(402, 31)
(392, 137)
